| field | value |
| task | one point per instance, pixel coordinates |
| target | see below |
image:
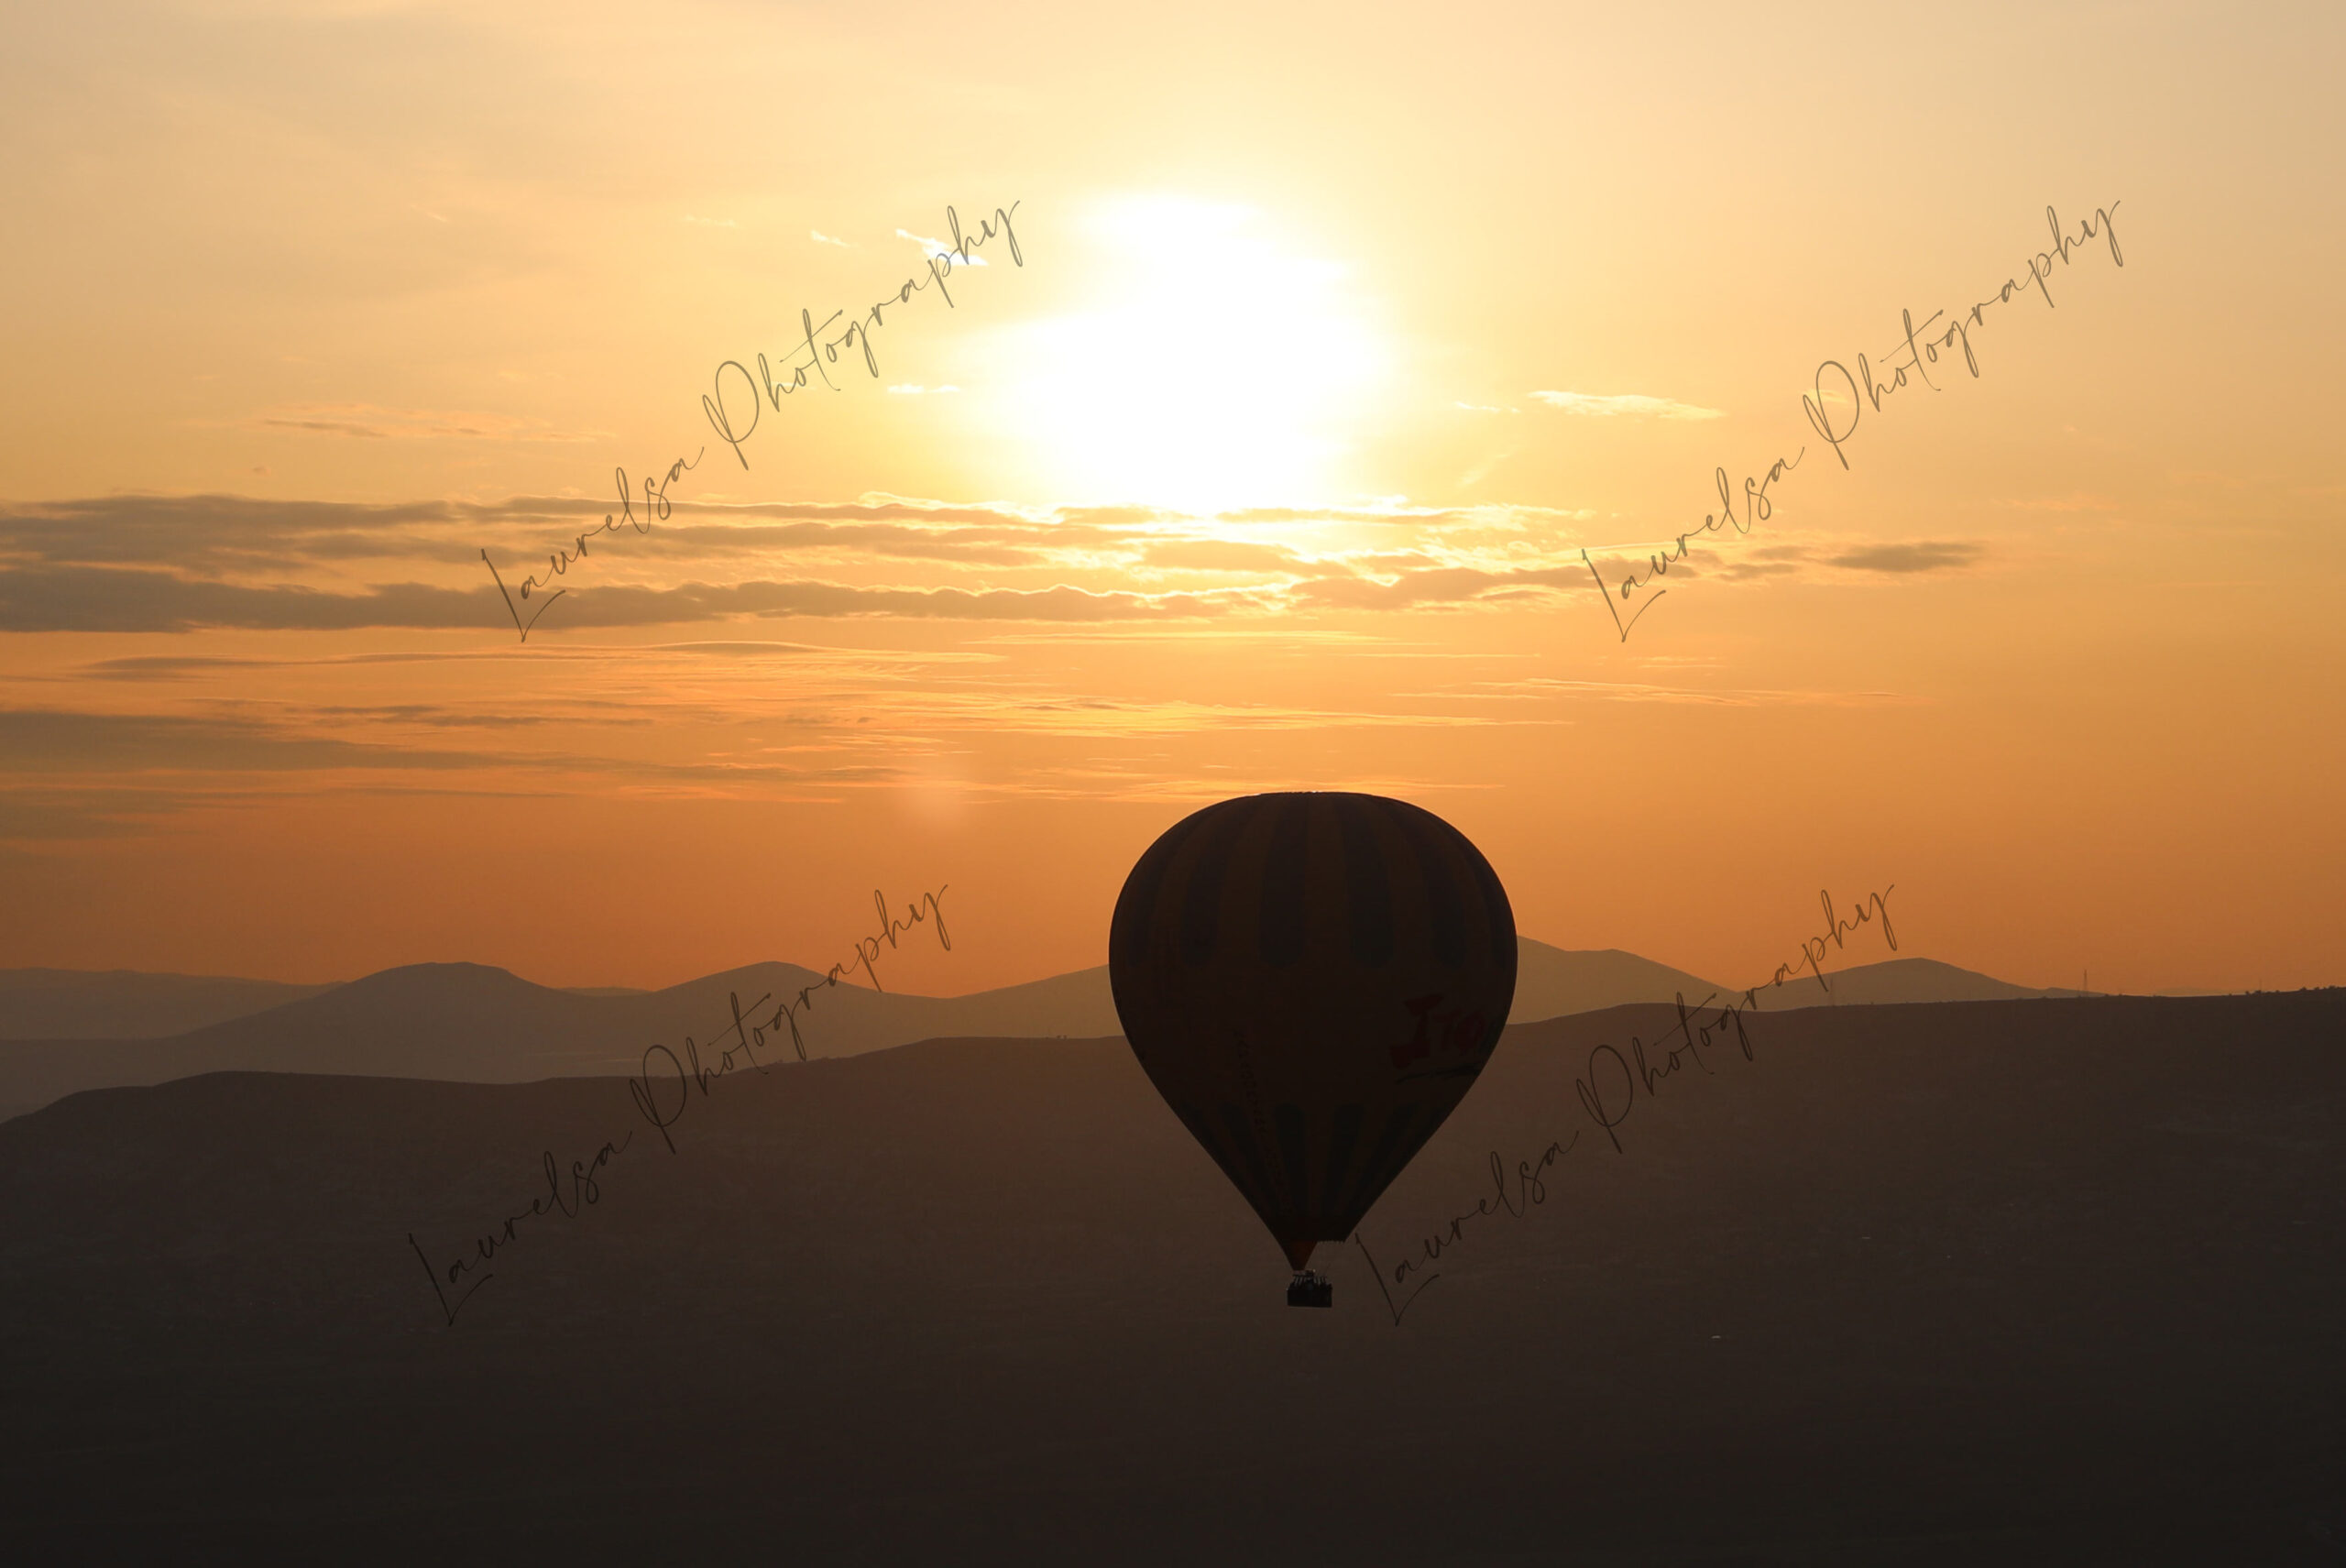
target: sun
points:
(1211, 369)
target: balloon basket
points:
(1310, 1290)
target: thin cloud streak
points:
(70, 598)
(1599, 406)
(367, 421)
(1926, 555)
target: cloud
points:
(1098, 716)
(89, 598)
(51, 740)
(1607, 406)
(1387, 563)
(367, 421)
(1740, 570)
(1487, 409)
(1112, 516)
(216, 532)
(125, 747)
(1929, 555)
(1024, 545)
(1436, 587)
(935, 248)
(46, 814)
(171, 667)
(1403, 515)
(142, 765)
(99, 598)
(323, 427)
(176, 562)
(439, 716)
(821, 238)
(642, 607)
(1549, 687)
(1755, 562)
(222, 533)
(164, 667)
(1400, 515)
(1219, 556)
(874, 506)
(602, 668)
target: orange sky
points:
(1340, 335)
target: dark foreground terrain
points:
(2003, 1282)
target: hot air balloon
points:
(1313, 981)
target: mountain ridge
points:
(477, 1022)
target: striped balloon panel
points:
(1313, 981)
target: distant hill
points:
(125, 1005)
(131, 1004)
(1555, 982)
(1895, 980)
(475, 1023)
(472, 1023)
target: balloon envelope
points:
(1313, 981)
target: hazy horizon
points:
(1830, 970)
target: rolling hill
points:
(1895, 980)
(124, 1005)
(1857, 1299)
(474, 1023)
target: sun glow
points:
(1214, 369)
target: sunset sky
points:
(1341, 333)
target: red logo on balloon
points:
(1460, 1032)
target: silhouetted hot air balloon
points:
(1313, 981)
